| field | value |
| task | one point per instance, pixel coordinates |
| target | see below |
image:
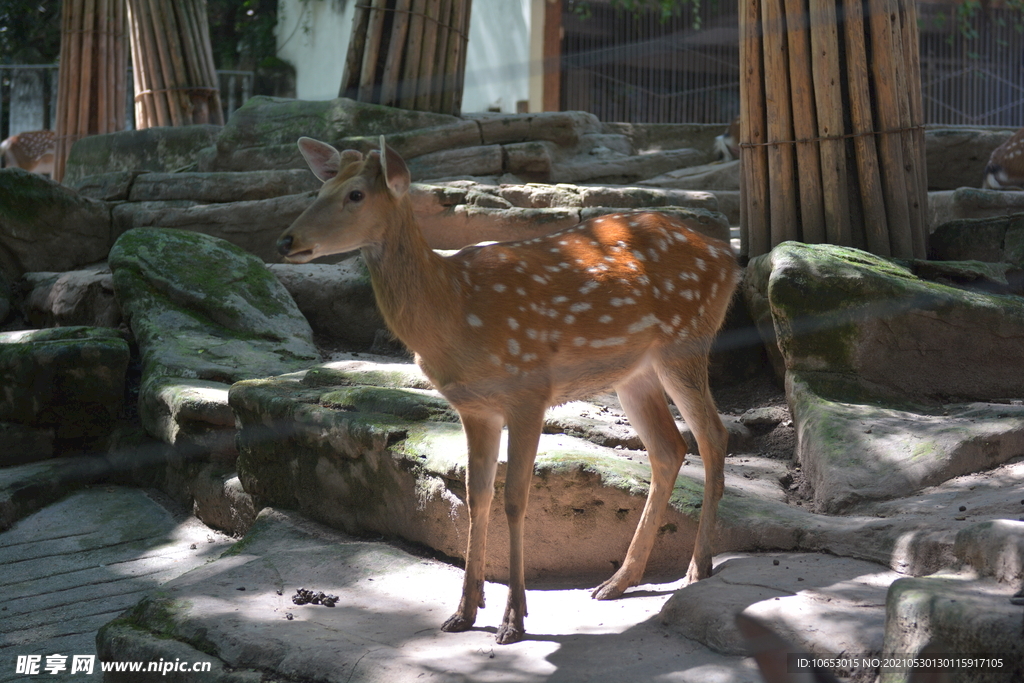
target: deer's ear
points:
(396, 173)
(324, 160)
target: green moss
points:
(400, 403)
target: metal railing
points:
(28, 96)
(634, 67)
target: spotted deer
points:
(629, 301)
(32, 150)
(1005, 168)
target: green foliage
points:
(242, 32)
(29, 31)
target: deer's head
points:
(358, 199)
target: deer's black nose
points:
(284, 245)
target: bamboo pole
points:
(805, 124)
(408, 53)
(176, 81)
(368, 72)
(413, 52)
(779, 115)
(876, 227)
(884, 75)
(89, 90)
(356, 45)
(425, 77)
(753, 156)
(912, 49)
(829, 105)
(396, 46)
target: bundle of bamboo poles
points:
(831, 133)
(92, 80)
(408, 53)
(172, 60)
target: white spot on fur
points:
(579, 341)
(589, 287)
(700, 264)
(570, 319)
(580, 307)
(559, 299)
(520, 291)
(499, 287)
(531, 333)
(643, 323)
(513, 347)
(513, 323)
(474, 321)
(540, 278)
(605, 319)
(611, 341)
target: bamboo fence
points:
(92, 81)
(172, 59)
(409, 54)
(831, 134)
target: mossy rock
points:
(203, 309)
(159, 149)
(69, 379)
(840, 310)
(264, 121)
(44, 226)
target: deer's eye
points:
(356, 196)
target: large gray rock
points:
(960, 618)
(69, 380)
(790, 591)
(871, 354)
(205, 314)
(161, 149)
(337, 300)
(208, 188)
(853, 451)
(76, 297)
(252, 225)
(261, 134)
(714, 176)
(971, 202)
(956, 155)
(846, 312)
(47, 227)
(992, 240)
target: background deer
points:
(1005, 168)
(504, 331)
(32, 150)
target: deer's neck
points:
(417, 291)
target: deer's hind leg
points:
(643, 400)
(683, 370)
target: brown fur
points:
(504, 331)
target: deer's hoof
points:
(457, 624)
(607, 591)
(510, 633)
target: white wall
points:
(498, 60)
(313, 37)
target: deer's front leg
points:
(483, 435)
(524, 429)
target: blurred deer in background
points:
(727, 145)
(31, 150)
(1005, 168)
(629, 301)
